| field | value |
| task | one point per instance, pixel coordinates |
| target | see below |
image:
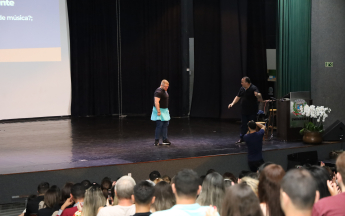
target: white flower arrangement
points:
(317, 114)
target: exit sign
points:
(328, 64)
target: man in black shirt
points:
(160, 112)
(143, 198)
(250, 96)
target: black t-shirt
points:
(142, 214)
(248, 100)
(164, 98)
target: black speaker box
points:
(302, 158)
(335, 132)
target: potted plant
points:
(312, 131)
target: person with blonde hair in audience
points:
(252, 183)
(269, 190)
(213, 191)
(94, 200)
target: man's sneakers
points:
(156, 142)
(165, 142)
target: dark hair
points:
(78, 191)
(227, 183)
(229, 175)
(51, 197)
(86, 184)
(154, 175)
(143, 193)
(243, 173)
(269, 188)
(187, 183)
(166, 176)
(240, 200)
(247, 79)
(65, 192)
(321, 176)
(165, 199)
(105, 186)
(252, 125)
(300, 186)
(262, 166)
(43, 187)
(210, 171)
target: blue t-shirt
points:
(254, 143)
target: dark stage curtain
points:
(151, 51)
(229, 44)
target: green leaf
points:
(302, 131)
(320, 131)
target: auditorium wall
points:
(328, 45)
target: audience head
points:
(78, 192)
(252, 183)
(269, 188)
(86, 184)
(43, 187)
(228, 183)
(124, 187)
(242, 174)
(298, 191)
(164, 197)
(144, 193)
(154, 175)
(251, 125)
(66, 192)
(186, 184)
(52, 197)
(320, 176)
(213, 190)
(262, 166)
(105, 186)
(340, 164)
(157, 180)
(240, 200)
(93, 200)
(210, 171)
(166, 178)
(230, 176)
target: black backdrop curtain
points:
(229, 44)
(151, 51)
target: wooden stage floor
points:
(42, 145)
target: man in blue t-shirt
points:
(253, 140)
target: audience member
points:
(153, 176)
(262, 166)
(228, 183)
(123, 191)
(166, 178)
(157, 180)
(229, 175)
(66, 192)
(321, 177)
(51, 202)
(210, 171)
(333, 205)
(86, 184)
(143, 198)
(105, 186)
(240, 200)
(252, 183)
(164, 197)
(298, 193)
(269, 189)
(32, 205)
(93, 201)
(77, 196)
(212, 192)
(186, 188)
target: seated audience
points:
(269, 189)
(252, 183)
(186, 188)
(212, 192)
(166, 178)
(93, 201)
(51, 202)
(321, 177)
(333, 205)
(123, 191)
(153, 176)
(164, 197)
(242, 174)
(76, 197)
(105, 186)
(143, 198)
(298, 193)
(86, 184)
(228, 183)
(230, 176)
(66, 193)
(157, 180)
(262, 166)
(33, 202)
(240, 200)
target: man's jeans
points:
(161, 129)
(244, 126)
